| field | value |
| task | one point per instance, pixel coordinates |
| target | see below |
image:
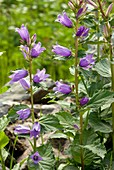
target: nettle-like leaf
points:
(12, 112)
(4, 121)
(48, 161)
(3, 139)
(98, 124)
(100, 98)
(103, 68)
(92, 148)
(49, 122)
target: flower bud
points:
(105, 31)
(109, 10)
(92, 3)
(71, 5)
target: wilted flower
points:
(35, 130)
(25, 84)
(23, 113)
(25, 50)
(62, 51)
(36, 157)
(87, 61)
(82, 31)
(17, 75)
(40, 76)
(84, 101)
(37, 50)
(62, 88)
(64, 20)
(20, 129)
(24, 34)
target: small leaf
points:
(16, 167)
(3, 139)
(4, 121)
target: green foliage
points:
(3, 140)
(4, 121)
(48, 161)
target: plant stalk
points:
(31, 94)
(77, 97)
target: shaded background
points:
(39, 17)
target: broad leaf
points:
(49, 122)
(98, 125)
(3, 139)
(103, 68)
(100, 98)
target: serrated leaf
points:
(49, 122)
(4, 121)
(3, 139)
(100, 98)
(103, 68)
(98, 125)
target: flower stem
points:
(31, 94)
(77, 97)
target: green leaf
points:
(49, 122)
(4, 89)
(3, 139)
(98, 125)
(4, 121)
(58, 135)
(103, 68)
(48, 161)
(100, 98)
(95, 42)
(16, 167)
(70, 167)
(4, 154)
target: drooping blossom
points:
(20, 129)
(25, 84)
(36, 157)
(82, 31)
(23, 113)
(24, 34)
(35, 130)
(62, 51)
(25, 50)
(64, 20)
(37, 50)
(62, 88)
(40, 76)
(17, 75)
(87, 61)
(84, 101)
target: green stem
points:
(2, 161)
(77, 97)
(98, 45)
(112, 79)
(32, 103)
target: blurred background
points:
(39, 17)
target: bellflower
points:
(35, 130)
(87, 61)
(62, 88)
(84, 101)
(82, 31)
(20, 129)
(62, 51)
(37, 50)
(36, 158)
(40, 76)
(23, 113)
(17, 75)
(24, 34)
(25, 84)
(64, 20)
